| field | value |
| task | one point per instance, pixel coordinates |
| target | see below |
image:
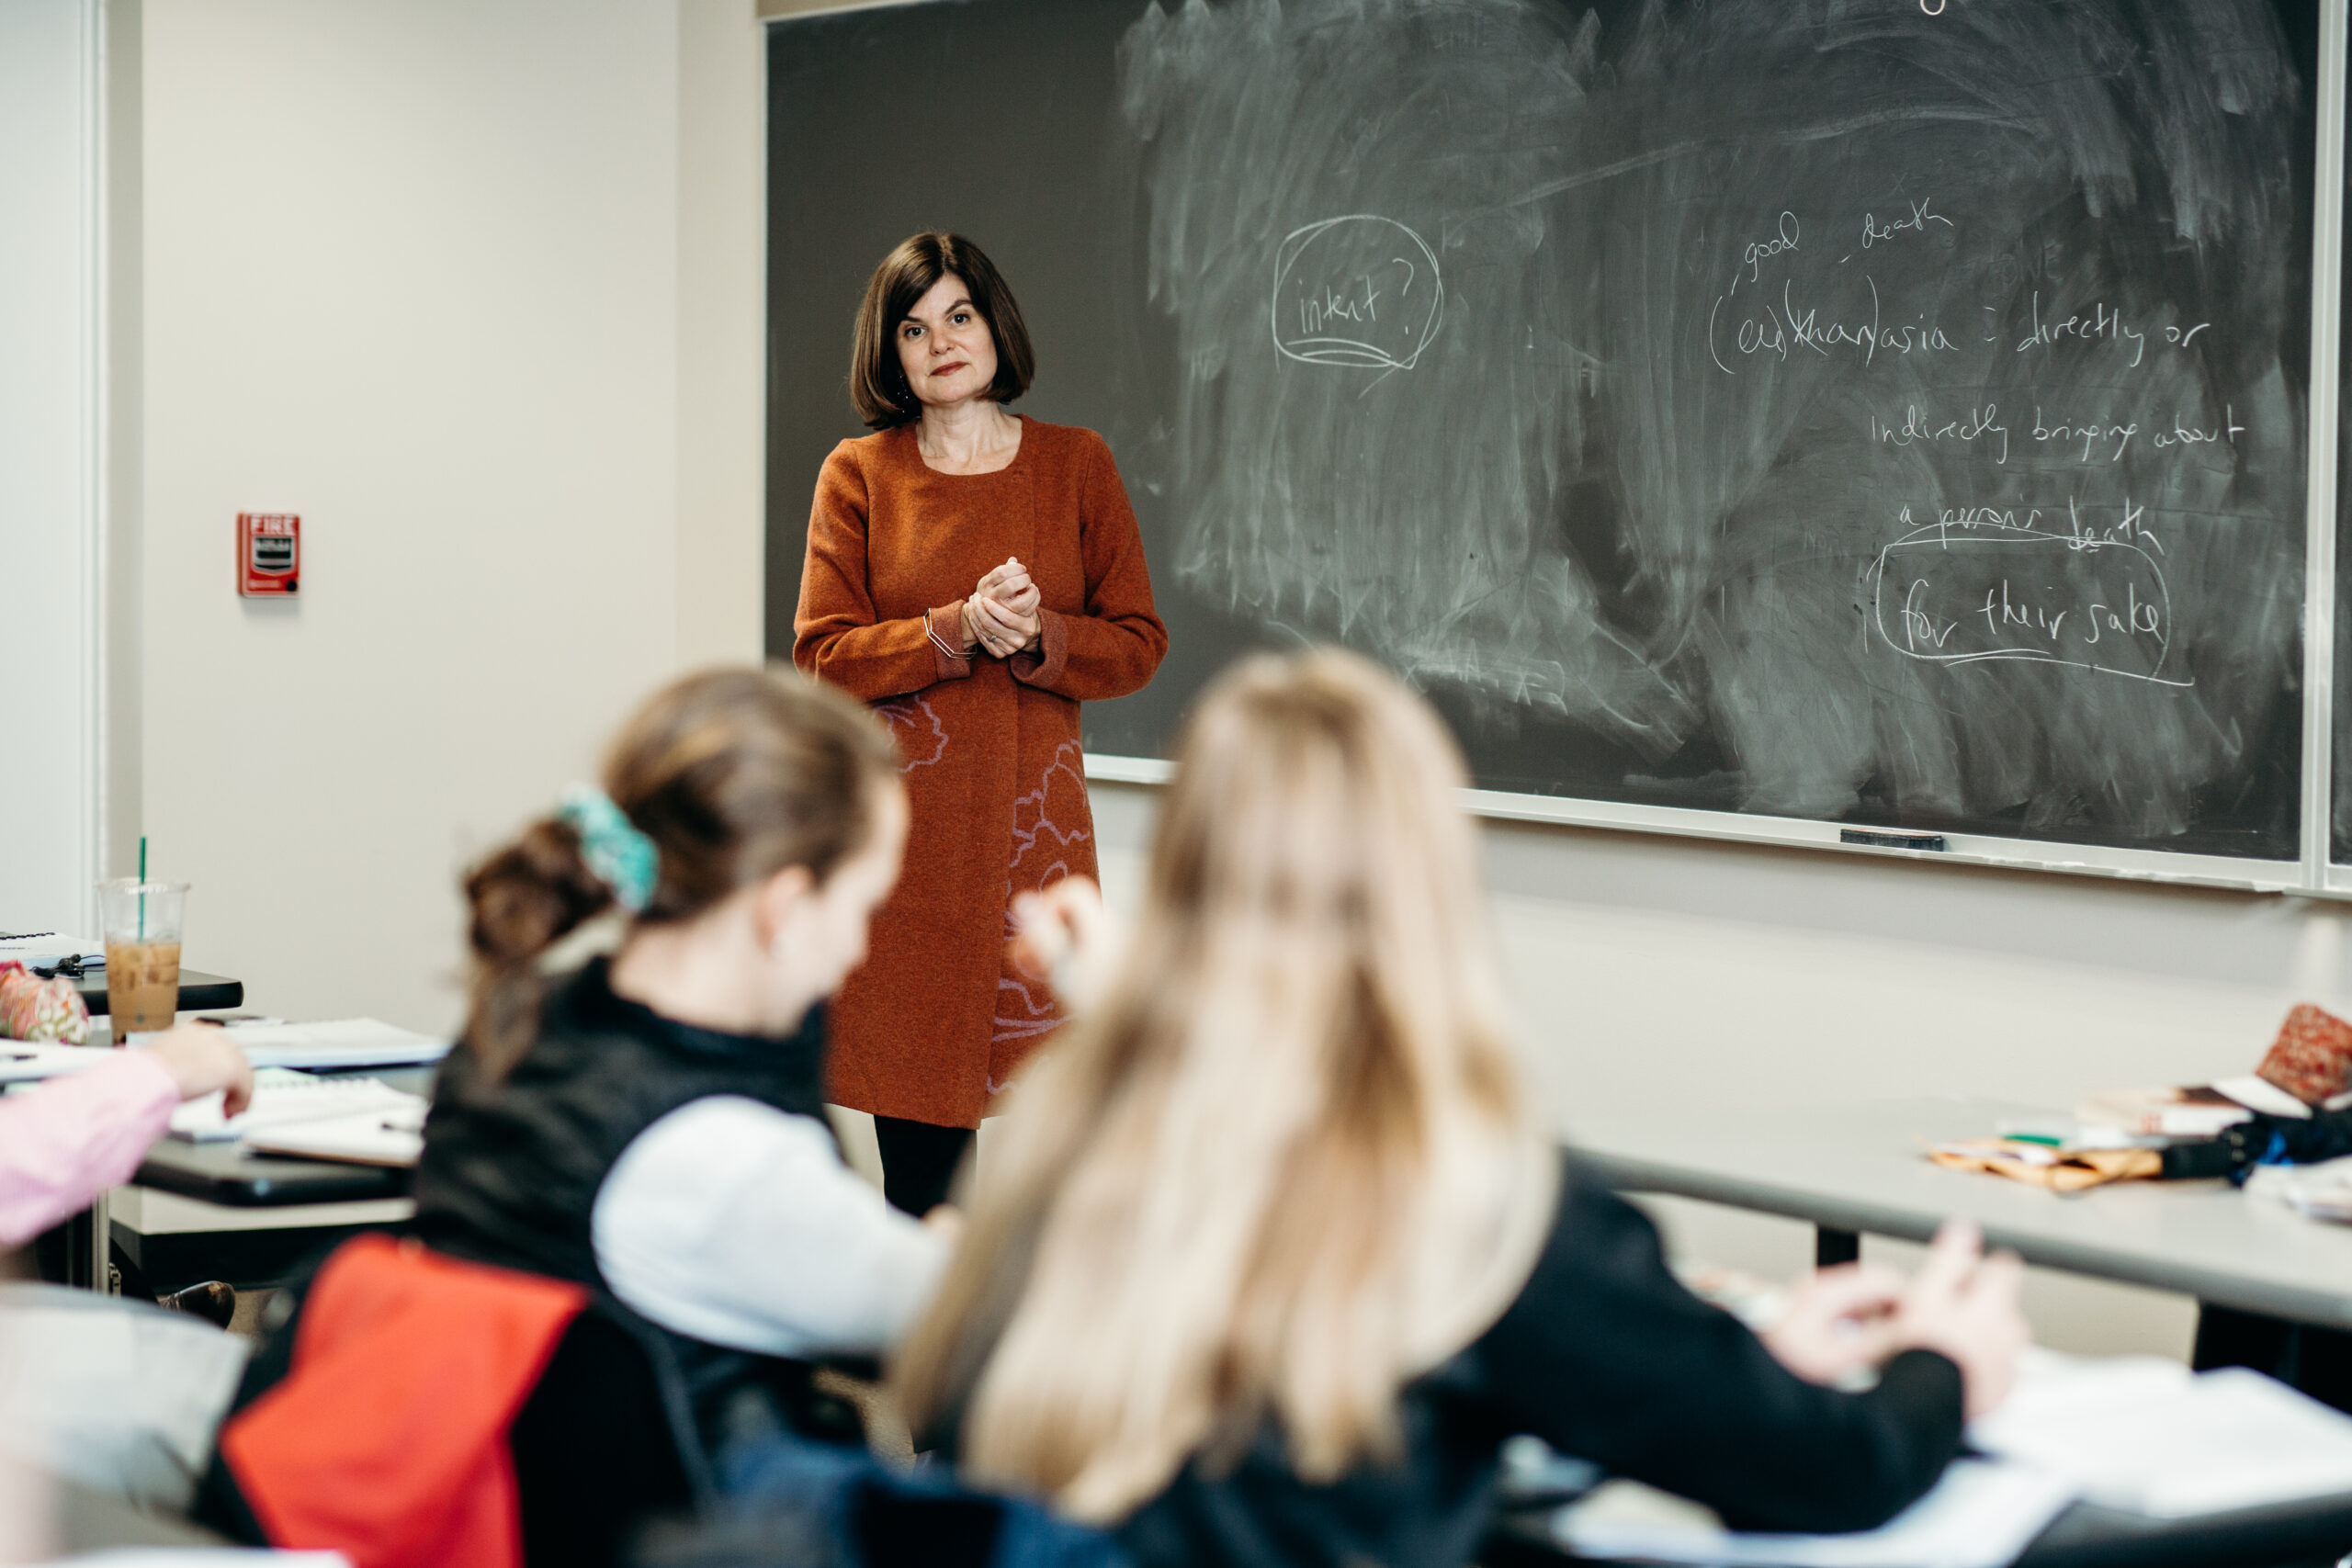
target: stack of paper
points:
(2321, 1191)
(2150, 1437)
(2196, 1110)
(2130, 1432)
(340, 1042)
(25, 1061)
(41, 949)
(1983, 1514)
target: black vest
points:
(511, 1169)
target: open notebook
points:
(283, 1099)
(2131, 1432)
(393, 1136)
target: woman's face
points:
(945, 349)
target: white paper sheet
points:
(2149, 1436)
(338, 1043)
(282, 1098)
(1981, 1514)
(23, 1061)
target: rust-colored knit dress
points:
(932, 1025)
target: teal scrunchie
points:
(612, 845)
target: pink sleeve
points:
(74, 1138)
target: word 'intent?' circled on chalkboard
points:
(1358, 291)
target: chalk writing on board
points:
(1358, 291)
(1992, 591)
(1726, 287)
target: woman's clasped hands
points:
(1001, 615)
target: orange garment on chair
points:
(387, 1441)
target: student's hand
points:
(202, 1060)
(946, 1222)
(1065, 935)
(1964, 1304)
(1838, 1321)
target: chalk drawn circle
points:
(1331, 281)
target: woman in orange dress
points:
(975, 575)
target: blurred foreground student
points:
(1276, 1256)
(66, 1142)
(654, 1125)
(97, 1389)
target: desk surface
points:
(1862, 1167)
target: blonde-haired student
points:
(1275, 1255)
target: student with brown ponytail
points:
(653, 1124)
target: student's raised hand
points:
(1838, 1320)
(1964, 1304)
(1065, 935)
(201, 1060)
(945, 1221)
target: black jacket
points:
(511, 1168)
(1607, 1357)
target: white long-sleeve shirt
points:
(735, 1223)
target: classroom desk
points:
(2085, 1535)
(1856, 1169)
(197, 1211)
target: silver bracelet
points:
(939, 642)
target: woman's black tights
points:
(919, 1161)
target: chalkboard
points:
(1884, 412)
(2340, 774)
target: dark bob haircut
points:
(877, 385)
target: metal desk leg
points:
(89, 1261)
(1831, 1248)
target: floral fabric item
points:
(2311, 1058)
(35, 1009)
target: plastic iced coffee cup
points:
(143, 923)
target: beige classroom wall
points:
(430, 274)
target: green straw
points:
(143, 887)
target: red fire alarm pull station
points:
(269, 554)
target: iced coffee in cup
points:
(142, 931)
